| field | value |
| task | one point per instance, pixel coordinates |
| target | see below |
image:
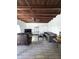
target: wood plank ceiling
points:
(38, 11)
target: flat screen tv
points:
(27, 30)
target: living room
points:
(54, 26)
(39, 17)
(38, 29)
(39, 33)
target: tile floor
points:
(38, 50)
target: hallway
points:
(38, 50)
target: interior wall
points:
(37, 28)
(55, 25)
(18, 29)
(22, 25)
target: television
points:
(27, 31)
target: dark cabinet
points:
(23, 39)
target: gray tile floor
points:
(38, 50)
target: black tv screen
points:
(27, 31)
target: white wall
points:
(42, 26)
(22, 25)
(18, 29)
(55, 25)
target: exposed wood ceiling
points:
(38, 10)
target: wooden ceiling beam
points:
(38, 14)
(35, 21)
(35, 17)
(43, 20)
(26, 1)
(39, 8)
(30, 7)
